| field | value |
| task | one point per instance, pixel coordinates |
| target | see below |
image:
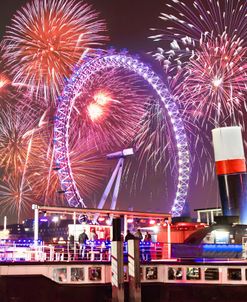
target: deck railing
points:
(91, 251)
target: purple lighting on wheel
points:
(62, 122)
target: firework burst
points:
(206, 62)
(16, 196)
(215, 79)
(17, 126)
(89, 168)
(189, 28)
(203, 52)
(46, 39)
(154, 147)
(108, 112)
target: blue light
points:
(222, 248)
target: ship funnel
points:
(231, 171)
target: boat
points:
(161, 281)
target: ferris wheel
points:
(86, 72)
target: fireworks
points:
(215, 79)
(97, 110)
(122, 121)
(154, 148)
(7, 91)
(89, 168)
(108, 112)
(16, 196)
(207, 56)
(4, 81)
(19, 146)
(188, 28)
(16, 137)
(46, 39)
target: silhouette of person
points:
(129, 236)
(83, 237)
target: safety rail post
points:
(169, 239)
(36, 224)
(134, 270)
(52, 253)
(117, 262)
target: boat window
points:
(221, 237)
(193, 273)
(211, 273)
(77, 274)
(175, 273)
(234, 274)
(217, 237)
(151, 273)
(94, 273)
(60, 274)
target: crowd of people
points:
(138, 235)
(79, 250)
(145, 253)
(82, 243)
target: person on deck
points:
(138, 235)
(129, 236)
(83, 237)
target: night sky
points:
(128, 21)
(128, 24)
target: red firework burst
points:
(215, 78)
(109, 111)
(18, 140)
(16, 196)
(46, 39)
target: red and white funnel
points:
(231, 170)
(228, 150)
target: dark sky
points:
(128, 20)
(128, 23)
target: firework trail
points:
(203, 53)
(88, 165)
(46, 39)
(8, 94)
(108, 112)
(215, 79)
(23, 179)
(154, 148)
(43, 178)
(19, 144)
(90, 169)
(14, 190)
(17, 124)
(119, 111)
(188, 28)
(206, 62)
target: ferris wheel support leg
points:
(109, 185)
(117, 185)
